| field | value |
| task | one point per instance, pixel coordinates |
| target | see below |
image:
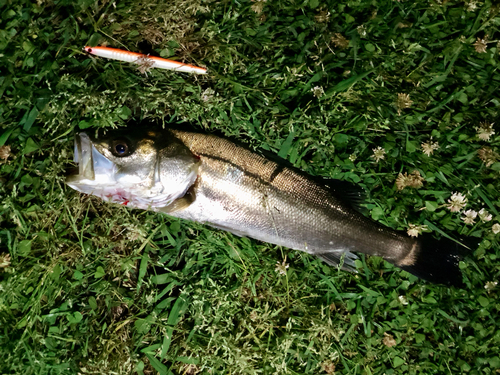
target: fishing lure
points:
(143, 60)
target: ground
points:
(400, 97)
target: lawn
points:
(400, 97)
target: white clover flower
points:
(485, 131)
(4, 261)
(480, 45)
(318, 91)
(402, 299)
(281, 268)
(470, 216)
(258, 6)
(485, 215)
(487, 155)
(415, 229)
(456, 202)
(413, 180)
(495, 228)
(207, 95)
(490, 285)
(361, 31)
(378, 154)
(4, 152)
(403, 101)
(428, 148)
(388, 340)
(472, 5)
(340, 41)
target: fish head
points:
(140, 169)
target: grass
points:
(92, 288)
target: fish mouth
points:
(83, 158)
(93, 167)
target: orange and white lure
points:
(143, 60)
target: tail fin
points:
(437, 261)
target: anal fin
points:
(344, 258)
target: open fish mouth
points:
(93, 167)
(83, 158)
(134, 181)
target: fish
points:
(146, 61)
(221, 183)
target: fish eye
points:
(119, 147)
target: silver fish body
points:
(244, 193)
(212, 180)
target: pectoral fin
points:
(180, 203)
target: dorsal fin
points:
(350, 193)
